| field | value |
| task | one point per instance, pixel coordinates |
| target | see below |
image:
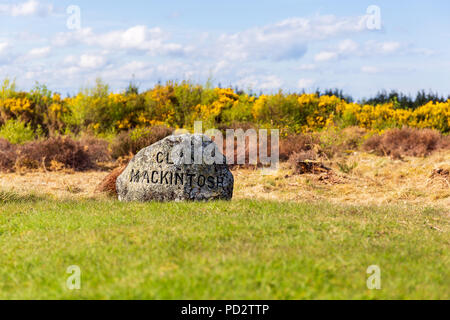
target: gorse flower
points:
(179, 105)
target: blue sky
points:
(258, 45)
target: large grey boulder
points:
(177, 168)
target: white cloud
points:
(286, 39)
(231, 58)
(63, 39)
(347, 46)
(3, 47)
(39, 52)
(70, 60)
(319, 27)
(140, 38)
(71, 71)
(91, 61)
(28, 8)
(124, 72)
(6, 56)
(84, 61)
(221, 66)
(325, 56)
(307, 67)
(343, 49)
(369, 69)
(269, 82)
(29, 75)
(84, 69)
(305, 83)
(424, 51)
(389, 47)
(383, 48)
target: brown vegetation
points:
(108, 184)
(421, 182)
(129, 143)
(398, 143)
(97, 149)
(441, 175)
(295, 144)
(7, 155)
(53, 154)
(302, 165)
(337, 142)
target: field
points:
(282, 237)
(382, 199)
(246, 249)
(120, 125)
(375, 181)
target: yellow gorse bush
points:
(16, 105)
(178, 105)
(431, 115)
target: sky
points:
(360, 47)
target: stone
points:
(178, 168)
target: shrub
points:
(334, 141)
(55, 153)
(180, 104)
(17, 132)
(353, 138)
(296, 143)
(63, 150)
(405, 142)
(131, 142)
(98, 149)
(236, 125)
(445, 142)
(7, 155)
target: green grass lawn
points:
(220, 250)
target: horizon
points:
(433, 96)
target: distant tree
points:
(404, 101)
(133, 87)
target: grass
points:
(223, 250)
(375, 181)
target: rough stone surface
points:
(155, 174)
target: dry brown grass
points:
(108, 184)
(60, 184)
(53, 154)
(407, 142)
(375, 180)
